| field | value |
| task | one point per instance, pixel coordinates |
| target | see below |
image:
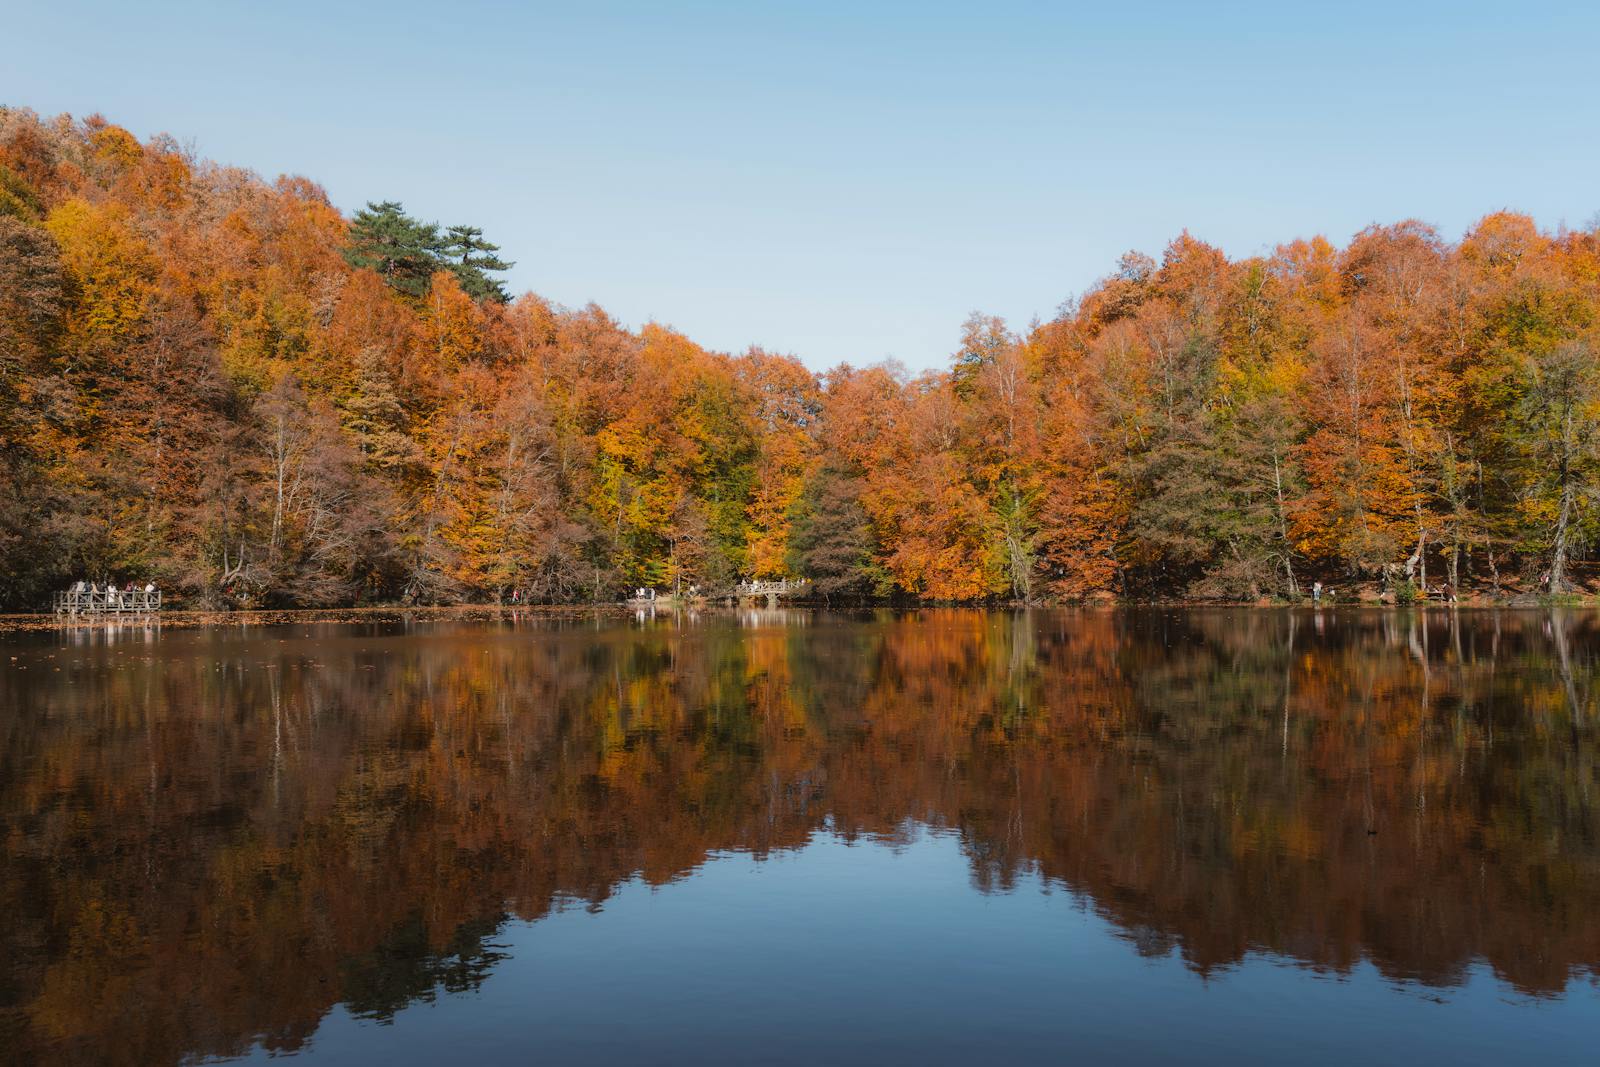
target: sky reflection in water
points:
(942, 836)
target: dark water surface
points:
(1214, 836)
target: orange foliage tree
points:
(1383, 415)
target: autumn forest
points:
(227, 386)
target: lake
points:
(789, 837)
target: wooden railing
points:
(91, 601)
(771, 590)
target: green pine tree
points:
(471, 259)
(402, 250)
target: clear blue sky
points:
(846, 181)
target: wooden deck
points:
(772, 591)
(108, 602)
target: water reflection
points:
(212, 838)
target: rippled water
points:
(785, 837)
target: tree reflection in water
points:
(212, 838)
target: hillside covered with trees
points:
(224, 385)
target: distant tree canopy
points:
(17, 199)
(406, 252)
(225, 385)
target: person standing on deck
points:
(1316, 592)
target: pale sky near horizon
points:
(847, 181)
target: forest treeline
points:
(224, 385)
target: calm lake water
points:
(947, 836)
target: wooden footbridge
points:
(92, 600)
(772, 591)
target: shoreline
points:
(194, 620)
(191, 620)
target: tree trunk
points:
(1283, 527)
(1558, 554)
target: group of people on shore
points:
(649, 593)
